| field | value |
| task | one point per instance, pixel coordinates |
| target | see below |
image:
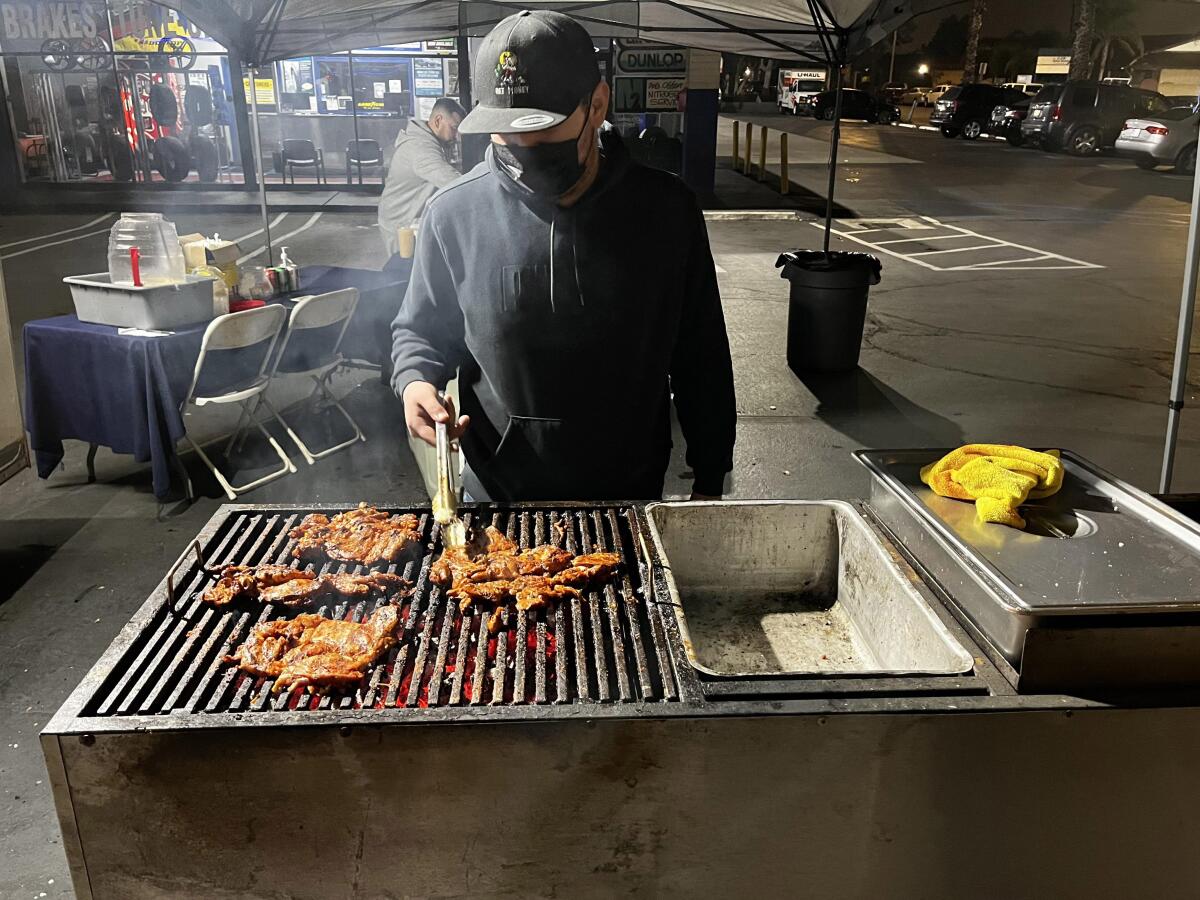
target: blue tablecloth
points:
(87, 382)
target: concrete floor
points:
(1076, 358)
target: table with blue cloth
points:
(90, 383)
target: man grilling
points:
(420, 165)
(572, 289)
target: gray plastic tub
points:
(795, 587)
(166, 306)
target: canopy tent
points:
(262, 31)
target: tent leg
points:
(256, 140)
(833, 145)
(1183, 339)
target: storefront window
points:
(133, 92)
(343, 112)
(119, 91)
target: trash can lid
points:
(833, 261)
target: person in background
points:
(420, 165)
(571, 289)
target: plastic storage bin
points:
(160, 307)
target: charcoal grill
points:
(608, 647)
(607, 764)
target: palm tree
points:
(1113, 29)
(1081, 47)
(978, 8)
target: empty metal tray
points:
(795, 588)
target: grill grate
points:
(606, 648)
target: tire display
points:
(163, 105)
(204, 155)
(171, 158)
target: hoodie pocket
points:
(526, 291)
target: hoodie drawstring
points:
(553, 222)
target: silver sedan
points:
(1169, 139)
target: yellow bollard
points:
(762, 154)
(783, 163)
(737, 128)
(749, 140)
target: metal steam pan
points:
(795, 588)
(1096, 550)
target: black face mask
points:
(549, 170)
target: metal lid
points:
(1097, 546)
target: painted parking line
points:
(52, 234)
(276, 240)
(1014, 256)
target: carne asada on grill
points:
(314, 652)
(498, 571)
(365, 535)
(291, 587)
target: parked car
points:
(1029, 88)
(856, 105)
(1183, 101)
(1169, 139)
(893, 91)
(913, 95)
(966, 109)
(1084, 117)
(937, 92)
(1006, 120)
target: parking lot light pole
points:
(1183, 339)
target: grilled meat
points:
(291, 587)
(364, 535)
(314, 652)
(497, 572)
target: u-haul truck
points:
(797, 87)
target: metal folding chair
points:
(239, 331)
(312, 347)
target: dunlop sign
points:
(651, 59)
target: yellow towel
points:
(998, 477)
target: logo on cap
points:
(509, 79)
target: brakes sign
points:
(26, 24)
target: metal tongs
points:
(445, 501)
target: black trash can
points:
(828, 307)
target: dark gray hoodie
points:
(571, 329)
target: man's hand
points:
(423, 410)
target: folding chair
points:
(312, 347)
(240, 331)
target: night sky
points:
(1153, 17)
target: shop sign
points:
(264, 90)
(25, 25)
(662, 94)
(427, 77)
(652, 59)
(446, 45)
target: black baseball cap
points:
(531, 73)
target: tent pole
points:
(259, 167)
(1183, 339)
(834, 138)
